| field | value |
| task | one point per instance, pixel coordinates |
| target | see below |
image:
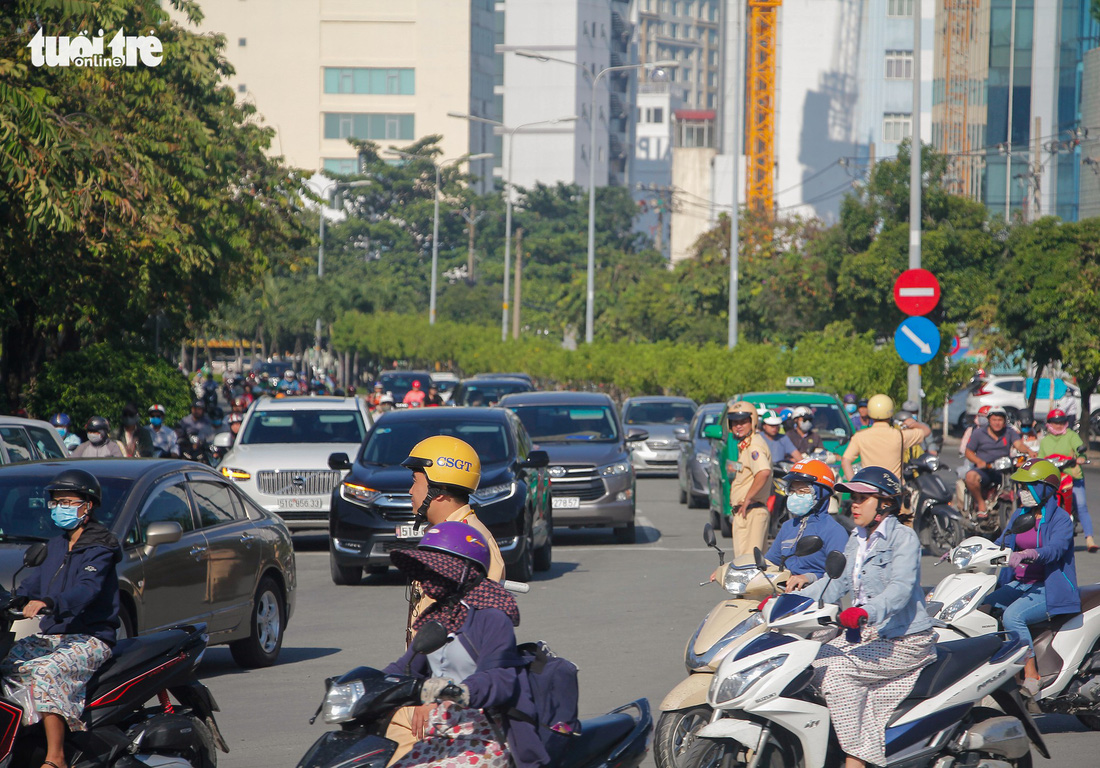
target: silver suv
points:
(660, 417)
(281, 455)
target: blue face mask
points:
(800, 504)
(62, 431)
(850, 407)
(66, 518)
(156, 421)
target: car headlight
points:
(340, 701)
(737, 684)
(737, 580)
(236, 474)
(960, 558)
(950, 611)
(493, 493)
(360, 494)
(618, 468)
(702, 458)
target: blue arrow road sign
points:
(917, 340)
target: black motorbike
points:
(363, 700)
(939, 525)
(123, 729)
(194, 448)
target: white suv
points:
(1010, 393)
(281, 455)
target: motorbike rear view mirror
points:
(32, 558)
(808, 545)
(835, 563)
(1082, 450)
(710, 541)
(429, 638)
(758, 558)
(223, 440)
(537, 460)
(1023, 523)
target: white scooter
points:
(770, 715)
(1067, 647)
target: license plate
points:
(666, 455)
(566, 502)
(408, 532)
(300, 503)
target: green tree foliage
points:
(99, 380)
(128, 192)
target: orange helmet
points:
(812, 471)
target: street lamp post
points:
(435, 218)
(336, 186)
(508, 196)
(590, 298)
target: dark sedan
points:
(695, 454)
(371, 512)
(195, 549)
(487, 390)
(591, 477)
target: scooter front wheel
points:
(674, 734)
(725, 753)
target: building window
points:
(673, 30)
(341, 165)
(242, 88)
(899, 8)
(369, 80)
(896, 126)
(695, 133)
(353, 125)
(658, 115)
(674, 8)
(242, 42)
(899, 65)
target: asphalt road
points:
(622, 613)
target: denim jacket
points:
(890, 578)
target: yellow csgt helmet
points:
(880, 408)
(446, 461)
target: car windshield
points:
(713, 417)
(567, 423)
(658, 413)
(444, 385)
(400, 383)
(828, 417)
(304, 426)
(487, 393)
(273, 369)
(391, 440)
(23, 512)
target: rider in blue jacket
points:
(809, 487)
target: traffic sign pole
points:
(915, 178)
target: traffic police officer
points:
(750, 480)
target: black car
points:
(591, 477)
(195, 549)
(695, 456)
(398, 383)
(487, 390)
(371, 512)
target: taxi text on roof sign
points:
(800, 382)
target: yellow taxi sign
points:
(800, 382)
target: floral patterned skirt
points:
(55, 670)
(458, 736)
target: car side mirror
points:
(164, 532)
(682, 434)
(339, 461)
(223, 440)
(712, 431)
(808, 545)
(537, 460)
(636, 435)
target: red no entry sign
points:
(916, 292)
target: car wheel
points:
(697, 502)
(726, 523)
(544, 555)
(344, 575)
(125, 624)
(524, 567)
(267, 624)
(628, 534)
(684, 497)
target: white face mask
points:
(1027, 498)
(805, 425)
(800, 504)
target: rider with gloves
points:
(809, 487)
(1041, 578)
(75, 591)
(99, 442)
(451, 564)
(1060, 440)
(863, 679)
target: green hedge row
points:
(839, 359)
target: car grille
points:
(661, 445)
(304, 515)
(390, 546)
(582, 482)
(297, 482)
(394, 506)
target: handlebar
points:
(517, 587)
(451, 691)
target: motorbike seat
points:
(131, 655)
(599, 735)
(954, 660)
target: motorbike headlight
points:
(950, 611)
(493, 493)
(340, 700)
(702, 458)
(739, 683)
(235, 474)
(960, 558)
(360, 494)
(737, 581)
(933, 463)
(618, 468)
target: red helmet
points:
(416, 384)
(984, 410)
(1057, 416)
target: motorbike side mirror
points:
(1082, 450)
(758, 559)
(835, 563)
(223, 440)
(35, 555)
(339, 461)
(1023, 523)
(429, 638)
(710, 541)
(808, 545)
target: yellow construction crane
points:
(760, 103)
